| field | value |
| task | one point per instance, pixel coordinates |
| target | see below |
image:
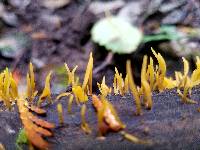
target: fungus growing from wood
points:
(79, 94)
(103, 88)
(69, 109)
(161, 72)
(71, 97)
(60, 113)
(145, 85)
(120, 85)
(185, 83)
(87, 82)
(62, 95)
(8, 88)
(71, 80)
(30, 79)
(46, 91)
(133, 88)
(84, 125)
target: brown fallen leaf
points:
(107, 116)
(35, 128)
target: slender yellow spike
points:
(88, 76)
(32, 77)
(195, 77)
(145, 85)
(71, 74)
(186, 66)
(115, 85)
(28, 86)
(47, 90)
(144, 68)
(133, 88)
(60, 113)
(126, 87)
(69, 109)
(147, 94)
(121, 84)
(13, 89)
(84, 125)
(161, 71)
(62, 95)
(151, 73)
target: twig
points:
(105, 63)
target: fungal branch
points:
(46, 91)
(103, 88)
(81, 92)
(195, 77)
(120, 85)
(8, 88)
(70, 74)
(161, 72)
(30, 79)
(145, 86)
(84, 125)
(133, 88)
(186, 83)
(87, 82)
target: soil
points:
(169, 125)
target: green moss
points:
(21, 139)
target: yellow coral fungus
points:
(30, 79)
(126, 87)
(47, 90)
(133, 88)
(79, 94)
(169, 83)
(87, 82)
(107, 115)
(103, 88)
(145, 85)
(150, 71)
(120, 85)
(195, 77)
(70, 74)
(161, 71)
(71, 98)
(62, 95)
(185, 83)
(69, 109)
(84, 125)
(60, 113)
(8, 88)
